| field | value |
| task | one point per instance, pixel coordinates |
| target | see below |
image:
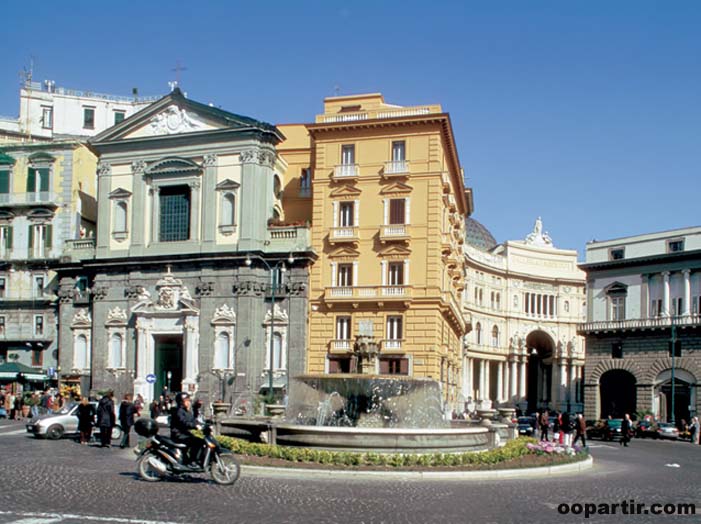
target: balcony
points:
(393, 344)
(45, 198)
(399, 112)
(342, 346)
(344, 234)
(288, 239)
(79, 249)
(396, 167)
(375, 293)
(344, 171)
(394, 232)
(639, 324)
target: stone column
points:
(563, 383)
(470, 378)
(506, 394)
(192, 352)
(195, 209)
(665, 294)
(574, 372)
(687, 292)
(522, 379)
(144, 358)
(500, 382)
(644, 295)
(514, 378)
(486, 394)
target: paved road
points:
(63, 482)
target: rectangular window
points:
(394, 328)
(89, 118)
(40, 240)
(47, 117)
(2, 325)
(677, 348)
(399, 151)
(394, 366)
(396, 273)
(656, 307)
(3, 287)
(675, 246)
(343, 328)
(4, 182)
(339, 365)
(39, 286)
(37, 358)
(617, 350)
(5, 239)
(346, 216)
(38, 325)
(119, 117)
(305, 182)
(37, 180)
(397, 211)
(618, 308)
(174, 214)
(617, 253)
(677, 306)
(348, 155)
(345, 275)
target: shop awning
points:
(9, 370)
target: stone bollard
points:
(219, 411)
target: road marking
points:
(46, 518)
(15, 432)
(594, 446)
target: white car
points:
(62, 423)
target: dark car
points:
(605, 429)
(525, 426)
(646, 429)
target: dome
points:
(478, 236)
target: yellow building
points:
(383, 188)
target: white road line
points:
(46, 518)
(15, 432)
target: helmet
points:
(180, 398)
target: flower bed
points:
(522, 452)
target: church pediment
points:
(172, 298)
(173, 120)
(120, 193)
(396, 187)
(345, 190)
(172, 165)
(227, 184)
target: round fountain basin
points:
(409, 440)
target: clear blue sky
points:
(586, 113)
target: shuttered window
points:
(394, 366)
(397, 211)
(4, 182)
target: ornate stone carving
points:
(266, 158)
(104, 169)
(116, 315)
(99, 292)
(298, 289)
(248, 288)
(174, 120)
(137, 293)
(138, 167)
(205, 289)
(65, 295)
(195, 184)
(209, 160)
(281, 316)
(224, 315)
(248, 156)
(81, 318)
(538, 237)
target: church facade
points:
(193, 282)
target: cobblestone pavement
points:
(63, 482)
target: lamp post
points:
(674, 350)
(273, 286)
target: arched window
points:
(495, 336)
(277, 351)
(567, 306)
(115, 357)
(221, 351)
(478, 333)
(277, 186)
(80, 352)
(228, 213)
(120, 217)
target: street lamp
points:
(674, 350)
(273, 286)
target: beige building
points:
(525, 299)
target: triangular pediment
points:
(174, 114)
(345, 190)
(395, 249)
(120, 192)
(344, 251)
(396, 187)
(172, 165)
(228, 184)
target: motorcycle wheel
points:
(225, 469)
(146, 471)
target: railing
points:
(356, 116)
(396, 167)
(640, 323)
(353, 292)
(345, 170)
(283, 233)
(28, 198)
(289, 238)
(39, 86)
(80, 243)
(395, 230)
(341, 345)
(391, 344)
(344, 233)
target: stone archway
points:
(685, 395)
(617, 393)
(540, 353)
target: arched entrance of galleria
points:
(540, 350)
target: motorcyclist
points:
(181, 423)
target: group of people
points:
(38, 403)
(564, 425)
(104, 417)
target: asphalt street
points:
(63, 482)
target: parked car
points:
(667, 430)
(62, 423)
(646, 429)
(605, 429)
(525, 426)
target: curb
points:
(499, 474)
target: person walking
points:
(695, 429)
(626, 429)
(544, 425)
(86, 419)
(127, 410)
(580, 430)
(566, 427)
(105, 418)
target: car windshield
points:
(524, 420)
(65, 410)
(615, 423)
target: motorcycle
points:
(162, 457)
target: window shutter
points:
(43, 180)
(404, 366)
(384, 366)
(354, 277)
(406, 272)
(4, 182)
(47, 236)
(333, 366)
(31, 237)
(31, 180)
(333, 274)
(8, 237)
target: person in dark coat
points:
(106, 418)
(127, 410)
(86, 419)
(580, 430)
(626, 430)
(181, 422)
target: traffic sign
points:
(151, 378)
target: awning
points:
(9, 370)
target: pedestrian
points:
(127, 410)
(695, 429)
(106, 418)
(197, 410)
(86, 420)
(566, 428)
(154, 409)
(626, 429)
(16, 408)
(544, 425)
(581, 430)
(557, 427)
(139, 404)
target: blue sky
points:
(586, 113)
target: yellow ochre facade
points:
(383, 188)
